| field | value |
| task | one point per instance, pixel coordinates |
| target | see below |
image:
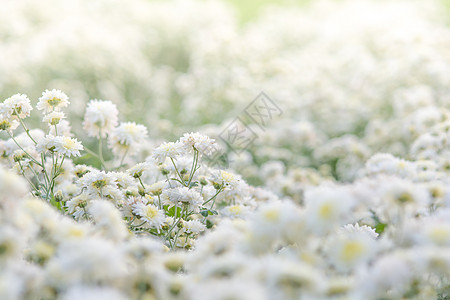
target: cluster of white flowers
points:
(353, 199)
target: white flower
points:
(138, 169)
(8, 123)
(53, 117)
(183, 195)
(326, 207)
(196, 140)
(52, 100)
(151, 214)
(68, 146)
(348, 248)
(100, 118)
(193, 226)
(171, 150)
(235, 211)
(47, 143)
(95, 181)
(127, 137)
(123, 180)
(227, 179)
(16, 105)
(108, 219)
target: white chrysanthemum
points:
(151, 214)
(54, 117)
(108, 220)
(235, 211)
(100, 118)
(227, 179)
(47, 143)
(391, 272)
(52, 100)
(8, 124)
(86, 260)
(96, 181)
(193, 226)
(123, 180)
(138, 169)
(275, 220)
(327, 207)
(183, 195)
(171, 150)
(383, 163)
(348, 248)
(68, 146)
(77, 206)
(126, 137)
(157, 187)
(196, 140)
(16, 105)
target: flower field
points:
(175, 150)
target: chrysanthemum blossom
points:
(61, 144)
(68, 146)
(127, 137)
(182, 195)
(52, 100)
(171, 150)
(100, 118)
(151, 214)
(17, 105)
(54, 117)
(196, 140)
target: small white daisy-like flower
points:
(52, 100)
(227, 179)
(138, 169)
(235, 211)
(350, 246)
(171, 150)
(100, 118)
(193, 226)
(96, 180)
(157, 187)
(47, 143)
(123, 180)
(151, 214)
(183, 195)
(127, 137)
(54, 117)
(68, 146)
(16, 105)
(196, 140)
(8, 124)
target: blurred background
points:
(352, 77)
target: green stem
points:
(24, 127)
(100, 152)
(178, 173)
(194, 166)
(217, 193)
(123, 157)
(31, 157)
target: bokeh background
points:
(352, 77)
